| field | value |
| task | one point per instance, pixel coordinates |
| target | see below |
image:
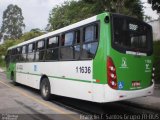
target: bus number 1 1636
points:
(83, 69)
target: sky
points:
(36, 12)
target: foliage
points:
(69, 12)
(30, 35)
(10, 42)
(128, 7)
(3, 50)
(74, 11)
(12, 25)
(155, 5)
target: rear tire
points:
(45, 89)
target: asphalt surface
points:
(24, 103)
(157, 91)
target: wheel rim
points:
(45, 89)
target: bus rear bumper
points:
(117, 95)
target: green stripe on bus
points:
(60, 77)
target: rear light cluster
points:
(153, 74)
(111, 73)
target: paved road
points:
(24, 102)
(28, 104)
(157, 91)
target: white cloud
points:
(35, 12)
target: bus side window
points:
(13, 53)
(40, 45)
(52, 52)
(53, 42)
(62, 39)
(24, 50)
(77, 36)
(66, 52)
(89, 34)
(18, 54)
(77, 48)
(19, 50)
(40, 50)
(31, 49)
(90, 42)
(69, 37)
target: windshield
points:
(130, 34)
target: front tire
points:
(45, 89)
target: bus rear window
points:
(130, 34)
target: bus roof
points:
(72, 26)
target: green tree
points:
(10, 42)
(3, 50)
(69, 12)
(12, 24)
(155, 5)
(128, 7)
(32, 34)
(73, 11)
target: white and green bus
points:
(105, 58)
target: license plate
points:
(136, 84)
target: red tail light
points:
(153, 74)
(111, 73)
